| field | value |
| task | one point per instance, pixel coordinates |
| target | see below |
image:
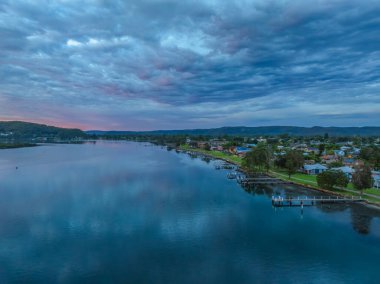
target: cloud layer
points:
(171, 64)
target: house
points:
(348, 171)
(202, 144)
(313, 150)
(300, 147)
(241, 151)
(327, 159)
(250, 145)
(376, 179)
(314, 169)
(349, 162)
(339, 153)
(355, 151)
(309, 162)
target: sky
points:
(170, 64)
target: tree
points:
(293, 161)
(341, 179)
(280, 162)
(371, 154)
(207, 147)
(258, 158)
(326, 179)
(321, 148)
(336, 164)
(362, 178)
(329, 179)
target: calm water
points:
(129, 213)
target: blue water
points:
(123, 212)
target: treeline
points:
(16, 145)
(259, 131)
(18, 130)
(261, 159)
(371, 155)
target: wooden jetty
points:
(259, 180)
(278, 201)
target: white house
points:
(314, 169)
(376, 179)
(348, 171)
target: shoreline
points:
(4, 146)
(366, 202)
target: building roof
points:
(242, 149)
(346, 170)
(314, 167)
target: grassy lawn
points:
(298, 177)
(216, 154)
(374, 191)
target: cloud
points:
(185, 64)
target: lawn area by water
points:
(216, 154)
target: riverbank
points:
(16, 145)
(308, 183)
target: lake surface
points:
(123, 212)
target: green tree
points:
(258, 159)
(362, 178)
(207, 147)
(371, 154)
(341, 179)
(280, 162)
(293, 161)
(326, 179)
(321, 148)
(329, 179)
(336, 164)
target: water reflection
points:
(361, 215)
(129, 213)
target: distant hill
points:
(255, 131)
(27, 130)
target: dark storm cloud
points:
(173, 64)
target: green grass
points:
(374, 191)
(216, 154)
(298, 177)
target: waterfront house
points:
(314, 169)
(202, 144)
(376, 182)
(348, 171)
(241, 151)
(376, 179)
